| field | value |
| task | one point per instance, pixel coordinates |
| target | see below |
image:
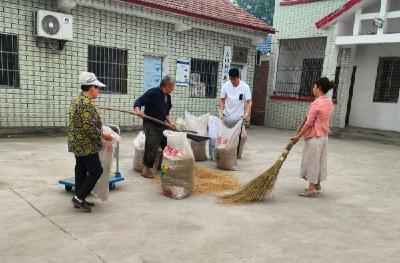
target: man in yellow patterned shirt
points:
(84, 139)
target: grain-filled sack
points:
(198, 124)
(226, 145)
(177, 166)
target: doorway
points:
(259, 93)
(353, 78)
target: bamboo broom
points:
(258, 188)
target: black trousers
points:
(154, 139)
(87, 171)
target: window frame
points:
(16, 80)
(117, 68)
(379, 79)
(211, 83)
(309, 74)
(290, 70)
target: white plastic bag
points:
(138, 151)
(212, 133)
(106, 154)
(198, 124)
(177, 166)
(226, 146)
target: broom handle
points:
(292, 143)
(146, 117)
(301, 125)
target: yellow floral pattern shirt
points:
(84, 132)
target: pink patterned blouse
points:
(318, 117)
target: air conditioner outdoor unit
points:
(53, 25)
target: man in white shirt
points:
(234, 95)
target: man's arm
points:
(169, 120)
(137, 106)
(249, 104)
(222, 97)
(221, 108)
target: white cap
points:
(89, 79)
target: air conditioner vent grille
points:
(50, 24)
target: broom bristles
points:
(260, 187)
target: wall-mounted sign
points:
(226, 63)
(182, 72)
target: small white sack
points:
(226, 145)
(106, 154)
(198, 124)
(212, 133)
(177, 166)
(138, 151)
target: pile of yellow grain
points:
(207, 180)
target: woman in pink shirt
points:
(315, 131)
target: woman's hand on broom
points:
(295, 138)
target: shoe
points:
(81, 204)
(147, 173)
(309, 193)
(90, 204)
(317, 187)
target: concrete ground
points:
(354, 219)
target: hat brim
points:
(98, 84)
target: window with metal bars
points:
(9, 68)
(387, 82)
(300, 63)
(203, 78)
(110, 65)
(311, 71)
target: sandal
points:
(309, 193)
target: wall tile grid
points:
(48, 77)
(292, 22)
